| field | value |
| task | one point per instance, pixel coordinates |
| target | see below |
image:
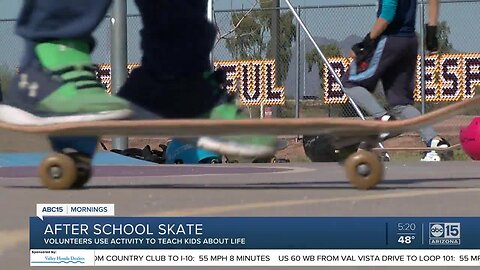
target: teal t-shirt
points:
(401, 14)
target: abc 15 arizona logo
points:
(441, 233)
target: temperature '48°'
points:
(406, 239)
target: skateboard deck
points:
(343, 127)
(364, 168)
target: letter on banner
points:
(332, 91)
(230, 68)
(472, 74)
(274, 95)
(254, 79)
(104, 75)
(448, 77)
(432, 72)
(451, 76)
(250, 93)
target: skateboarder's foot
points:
(194, 96)
(242, 145)
(59, 85)
(437, 142)
(386, 135)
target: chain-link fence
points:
(245, 34)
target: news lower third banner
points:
(61, 236)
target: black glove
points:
(431, 38)
(364, 51)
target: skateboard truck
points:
(370, 145)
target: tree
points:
(443, 31)
(313, 57)
(250, 33)
(444, 45)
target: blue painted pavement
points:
(34, 159)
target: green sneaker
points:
(59, 85)
(247, 145)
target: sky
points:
(332, 23)
(9, 8)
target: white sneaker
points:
(386, 135)
(436, 142)
(431, 156)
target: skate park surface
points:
(139, 188)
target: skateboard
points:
(364, 169)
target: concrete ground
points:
(303, 189)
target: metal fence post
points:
(210, 16)
(118, 56)
(297, 77)
(422, 52)
(210, 10)
(275, 35)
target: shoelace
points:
(83, 81)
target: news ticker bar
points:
(255, 257)
(133, 233)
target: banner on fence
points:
(448, 77)
(253, 79)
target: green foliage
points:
(6, 76)
(444, 45)
(443, 31)
(314, 58)
(251, 37)
(286, 37)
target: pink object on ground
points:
(470, 139)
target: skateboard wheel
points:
(364, 170)
(58, 171)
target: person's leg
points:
(408, 111)
(365, 100)
(428, 134)
(176, 79)
(56, 81)
(359, 86)
(399, 83)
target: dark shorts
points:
(394, 63)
